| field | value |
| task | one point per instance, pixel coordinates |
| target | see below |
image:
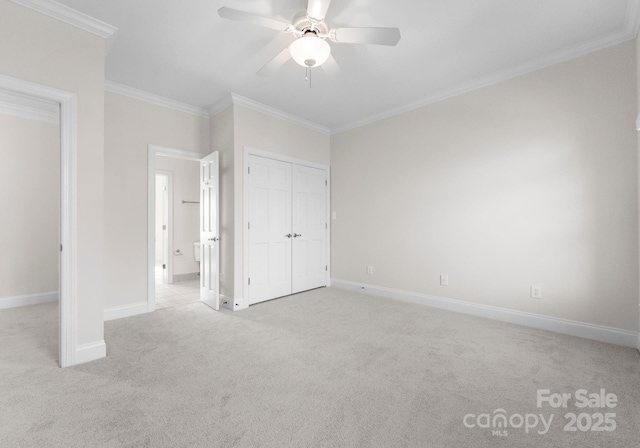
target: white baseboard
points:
(118, 312)
(564, 326)
(239, 304)
(30, 299)
(229, 303)
(90, 352)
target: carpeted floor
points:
(326, 368)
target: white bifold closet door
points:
(287, 228)
(269, 229)
(309, 224)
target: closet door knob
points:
(288, 235)
(296, 235)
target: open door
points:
(164, 202)
(209, 225)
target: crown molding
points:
(268, 110)
(235, 99)
(554, 58)
(71, 16)
(220, 105)
(120, 89)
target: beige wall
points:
(267, 133)
(46, 51)
(130, 126)
(186, 186)
(29, 194)
(532, 181)
(221, 126)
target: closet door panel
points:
(269, 222)
(309, 228)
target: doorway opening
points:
(177, 246)
(68, 352)
(182, 210)
(29, 229)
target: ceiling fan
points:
(310, 47)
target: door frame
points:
(169, 212)
(152, 152)
(248, 151)
(68, 301)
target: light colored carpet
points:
(326, 368)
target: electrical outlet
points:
(536, 292)
(334, 215)
(369, 270)
(444, 280)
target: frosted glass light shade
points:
(310, 51)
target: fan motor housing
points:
(303, 24)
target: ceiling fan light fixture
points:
(310, 50)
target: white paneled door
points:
(164, 203)
(310, 228)
(287, 228)
(269, 229)
(209, 225)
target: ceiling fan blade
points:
(317, 9)
(235, 14)
(274, 64)
(376, 36)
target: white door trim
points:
(153, 151)
(248, 151)
(274, 156)
(68, 208)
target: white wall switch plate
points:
(444, 280)
(369, 270)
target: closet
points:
(287, 228)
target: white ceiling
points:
(183, 51)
